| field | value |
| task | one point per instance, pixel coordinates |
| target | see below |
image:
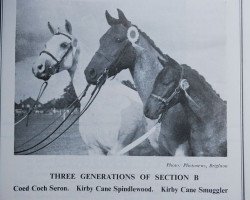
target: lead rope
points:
(82, 112)
(21, 151)
(94, 94)
(83, 94)
(140, 139)
(41, 91)
(38, 98)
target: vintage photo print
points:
(121, 78)
(114, 99)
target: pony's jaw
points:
(153, 108)
(95, 69)
(67, 63)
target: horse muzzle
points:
(153, 109)
(150, 114)
(91, 76)
(44, 75)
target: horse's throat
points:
(145, 70)
(77, 78)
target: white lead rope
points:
(138, 141)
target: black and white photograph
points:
(114, 99)
(119, 78)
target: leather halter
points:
(177, 90)
(60, 33)
(114, 62)
(58, 62)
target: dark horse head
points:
(115, 50)
(166, 91)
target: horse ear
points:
(51, 28)
(68, 27)
(111, 20)
(163, 62)
(122, 18)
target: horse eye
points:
(164, 84)
(118, 40)
(64, 45)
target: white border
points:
(14, 168)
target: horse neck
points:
(146, 68)
(76, 73)
(206, 104)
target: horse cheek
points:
(68, 63)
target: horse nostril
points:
(41, 68)
(92, 73)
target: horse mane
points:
(169, 60)
(172, 62)
(196, 73)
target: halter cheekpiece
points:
(132, 37)
(183, 85)
(58, 62)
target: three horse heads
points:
(205, 110)
(124, 46)
(59, 54)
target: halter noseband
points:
(60, 33)
(130, 40)
(114, 62)
(58, 62)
